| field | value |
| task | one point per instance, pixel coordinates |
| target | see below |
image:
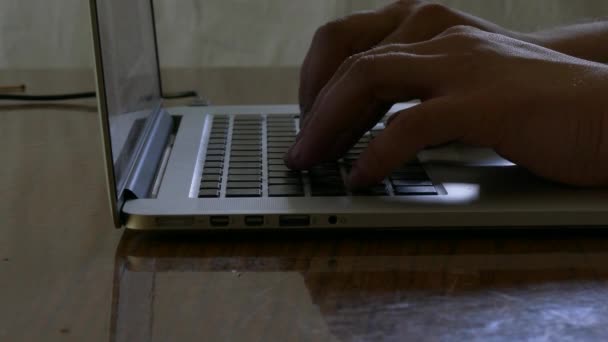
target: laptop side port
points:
(294, 220)
(254, 220)
(219, 221)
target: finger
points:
(428, 20)
(431, 123)
(346, 139)
(442, 43)
(336, 41)
(371, 80)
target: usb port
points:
(254, 220)
(294, 220)
(219, 221)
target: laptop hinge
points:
(150, 154)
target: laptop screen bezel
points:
(116, 200)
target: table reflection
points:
(383, 286)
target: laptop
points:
(221, 167)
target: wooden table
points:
(67, 275)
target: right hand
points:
(403, 22)
(541, 109)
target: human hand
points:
(538, 108)
(406, 21)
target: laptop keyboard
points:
(244, 159)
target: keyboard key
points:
(212, 171)
(247, 148)
(281, 122)
(286, 145)
(246, 153)
(245, 178)
(239, 131)
(216, 152)
(276, 155)
(246, 142)
(241, 159)
(282, 135)
(244, 185)
(280, 128)
(253, 123)
(281, 118)
(212, 164)
(289, 174)
(412, 182)
(209, 194)
(249, 172)
(276, 162)
(210, 185)
(284, 181)
(247, 137)
(234, 165)
(278, 149)
(214, 158)
(415, 190)
(247, 118)
(280, 139)
(243, 193)
(248, 124)
(285, 190)
(285, 128)
(279, 168)
(211, 178)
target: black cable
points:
(180, 95)
(58, 97)
(86, 95)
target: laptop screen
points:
(128, 76)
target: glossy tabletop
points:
(67, 275)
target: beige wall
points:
(43, 33)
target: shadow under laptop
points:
(360, 287)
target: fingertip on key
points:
(356, 178)
(292, 158)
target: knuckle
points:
(464, 30)
(387, 48)
(431, 11)
(351, 60)
(461, 32)
(363, 67)
(331, 31)
(467, 36)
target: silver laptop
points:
(221, 168)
